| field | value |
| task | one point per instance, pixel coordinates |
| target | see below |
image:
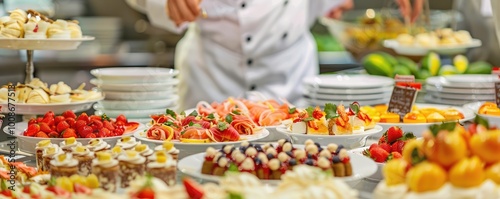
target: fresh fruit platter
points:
(449, 162)
(270, 162)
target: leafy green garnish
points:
(354, 108)
(236, 112)
(331, 111)
(408, 136)
(222, 126)
(168, 123)
(310, 111)
(182, 132)
(416, 157)
(191, 123)
(229, 118)
(211, 116)
(183, 113)
(194, 113)
(235, 196)
(104, 117)
(292, 110)
(3, 185)
(171, 113)
(449, 126)
(481, 121)
(233, 168)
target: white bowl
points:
(136, 87)
(348, 141)
(127, 75)
(378, 175)
(27, 144)
(139, 104)
(132, 114)
(151, 95)
(40, 109)
(474, 106)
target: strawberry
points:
(122, 119)
(193, 189)
(83, 117)
(70, 121)
(49, 114)
(62, 126)
(59, 192)
(85, 130)
(32, 121)
(96, 124)
(393, 134)
(45, 127)
(41, 134)
(69, 132)
(382, 139)
(104, 132)
(78, 188)
(90, 135)
(48, 120)
(396, 155)
(386, 147)
(58, 119)
(5, 191)
(108, 125)
(39, 119)
(119, 130)
(53, 134)
(373, 146)
(79, 123)
(145, 192)
(69, 114)
(378, 154)
(95, 117)
(398, 146)
(32, 130)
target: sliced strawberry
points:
(193, 189)
(58, 191)
(81, 189)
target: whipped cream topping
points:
(64, 160)
(240, 183)
(36, 28)
(127, 143)
(43, 144)
(65, 145)
(173, 150)
(52, 150)
(98, 144)
(134, 159)
(145, 151)
(104, 163)
(86, 151)
(167, 164)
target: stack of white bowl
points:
(136, 92)
(460, 89)
(365, 89)
(106, 30)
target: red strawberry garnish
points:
(386, 147)
(373, 146)
(378, 154)
(79, 124)
(83, 117)
(49, 114)
(393, 134)
(62, 126)
(146, 192)
(41, 134)
(32, 130)
(193, 189)
(58, 119)
(69, 133)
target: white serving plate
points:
(349, 141)
(470, 78)
(132, 114)
(42, 44)
(378, 175)
(136, 87)
(192, 148)
(319, 102)
(40, 109)
(474, 106)
(419, 128)
(433, 88)
(362, 167)
(27, 144)
(417, 50)
(470, 97)
(361, 91)
(348, 81)
(431, 99)
(128, 75)
(336, 97)
(139, 104)
(151, 95)
(440, 81)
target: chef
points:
(233, 47)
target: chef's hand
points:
(336, 13)
(408, 12)
(181, 11)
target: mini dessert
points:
(63, 164)
(59, 30)
(84, 157)
(40, 147)
(248, 166)
(127, 143)
(36, 28)
(414, 117)
(97, 145)
(221, 166)
(75, 29)
(274, 167)
(208, 163)
(144, 151)
(107, 171)
(68, 144)
(116, 152)
(164, 168)
(169, 148)
(48, 155)
(132, 165)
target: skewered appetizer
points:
(196, 128)
(271, 162)
(450, 162)
(417, 115)
(390, 145)
(333, 120)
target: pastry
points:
(127, 143)
(116, 151)
(59, 30)
(208, 163)
(144, 151)
(97, 145)
(132, 165)
(68, 144)
(169, 148)
(63, 164)
(36, 28)
(48, 155)
(107, 171)
(75, 29)
(164, 168)
(84, 157)
(40, 147)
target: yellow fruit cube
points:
(70, 140)
(92, 181)
(167, 145)
(141, 147)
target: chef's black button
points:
(285, 35)
(253, 87)
(249, 61)
(243, 5)
(286, 2)
(249, 39)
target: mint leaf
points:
(408, 136)
(236, 112)
(354, 108)
(233, 168)
(416, 157)
(194, 113)
(168, 123)
(191, 123)
(307, 119)
(104, 117)
(331, 111)
(222, 126)
(171, 113)
(310, 111)
(229, 118)
(182, 132)
(292, 110)
(449, 126)
(211, 116)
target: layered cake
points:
(271, 162)
(169, 148)
(68, 144)
(164, 168)
(127, 143)
(107, 171)
(48, 155)
(63, 164)
(132, 165)
(144, 151)
(97, 145)
(40, 147)
(84, 157)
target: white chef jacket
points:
(244, 45)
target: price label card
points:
(497, 93)
(402, 100)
